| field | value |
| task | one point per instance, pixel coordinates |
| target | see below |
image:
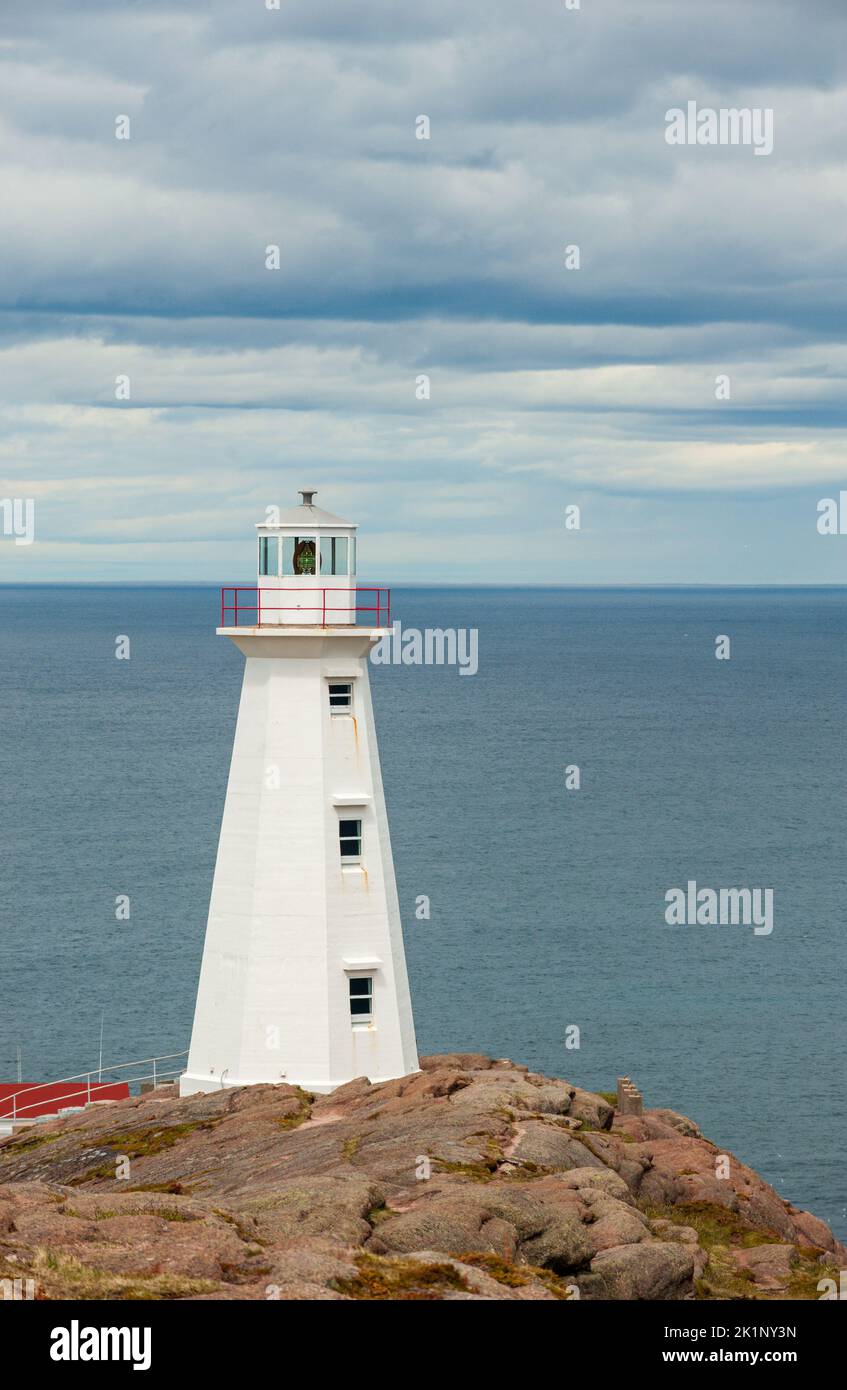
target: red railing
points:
(331, 605)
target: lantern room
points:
(307, 566)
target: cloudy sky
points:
(401, 257)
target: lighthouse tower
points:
(303, 977)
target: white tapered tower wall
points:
(289, 923)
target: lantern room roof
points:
(306, 516)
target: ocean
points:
(547, 904)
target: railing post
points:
(154, 1073)
(88, 1085)
(258, 607)
(323, 613)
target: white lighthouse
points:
(304, 976)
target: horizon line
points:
(420, 584)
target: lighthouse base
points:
(190, 1085)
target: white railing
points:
(95, 1077)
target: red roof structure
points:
(23, 1100)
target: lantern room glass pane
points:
(334, 555)
(298, 555)
(268, 550)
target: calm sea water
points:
(547, 905)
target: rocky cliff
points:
(473, 1179)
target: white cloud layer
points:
(146, 258)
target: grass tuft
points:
(64, 1277)
(399, 1280)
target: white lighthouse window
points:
(361, 997)
(268, 549)
(352, 554)
(350, 839)
(334, 555)
(341, 697)
(298, 555)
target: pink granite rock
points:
(470, 1180)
